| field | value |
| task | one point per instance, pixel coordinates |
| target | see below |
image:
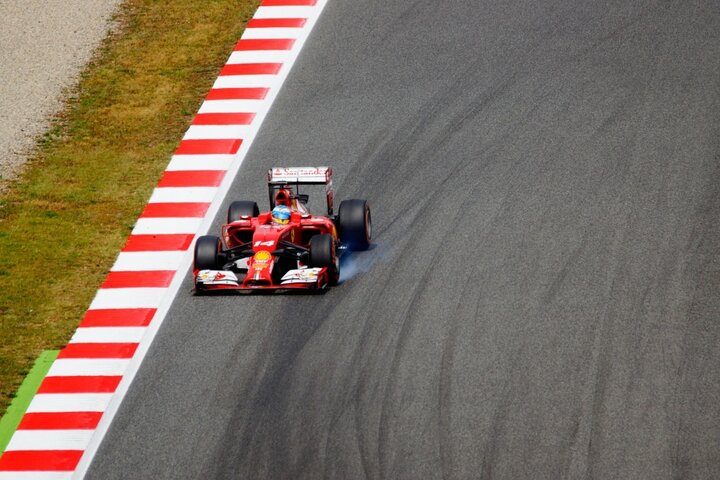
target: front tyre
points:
(207, 253)
(322, 254)
(355, 224)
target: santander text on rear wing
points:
(301, 175)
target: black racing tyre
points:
(321, 251)
(322, 254)
(207, 253)
(242, 208)
(355, 224)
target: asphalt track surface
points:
(542, 300)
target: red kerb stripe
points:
(209, 147)
(276, 23)
(251, 69)
(223, 119)
(118, 317)
(80, 384)
(158, 243)
(98, 350)
(192, 178)
(265, 44)
(161, 210)
(40, 460)
(139, 279)
(237, 94)
(288, 3)
(60, 421)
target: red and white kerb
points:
(78, 398)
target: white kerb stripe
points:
(261, 33)
(72, 367)
(285, 12)
(199, 162)
(148, 226)
(232, 106)
(212, 132)
(258, 56)
(184, 194)
(69, 402)
(49, 440)
(127, 298)
(247, 81)
(108, 335)
(36, 475)
(144, 261)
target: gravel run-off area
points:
(44, 44)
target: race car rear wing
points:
(284, 177)
(301, 175)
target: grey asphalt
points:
(542, 300)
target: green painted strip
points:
(25, 394)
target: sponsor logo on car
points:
(217, 277)
(261, 260)
(304, 275)
(262, 256)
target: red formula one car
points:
(286, 248)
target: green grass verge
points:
(25, 394)
(63, 223)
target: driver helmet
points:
(281, 215)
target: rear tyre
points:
(242, 208)
(207, 253)
(322, 254)
(355, 224)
